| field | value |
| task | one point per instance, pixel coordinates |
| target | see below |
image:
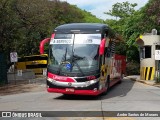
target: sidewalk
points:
(38, 80)
(32, 85)
(148, 82)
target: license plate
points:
(69, 90)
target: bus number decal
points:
(91, 77)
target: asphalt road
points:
(127, 96)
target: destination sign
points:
(61, 41)
(88, 41)
(79, 39)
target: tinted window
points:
(63, 36)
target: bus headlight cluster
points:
(51, 80)
(88, 83)
(91, 82)
(74, 84)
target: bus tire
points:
(121, 78)
(120, 81)
(107, 84)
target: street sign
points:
(13, 57)
(44, 72)
(19, 72)
(157, 54)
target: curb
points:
(145, 82)
(13, 84)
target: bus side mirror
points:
(43, 42)
(102, 46)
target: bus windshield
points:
(75, 53)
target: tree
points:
(142, 21)
(151, 16)
(122, 10)
(23, 24)
(133, 23)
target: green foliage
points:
(127, 25)
(130, 24)
(122, 10)
(24, 23)
(142, 21)
(120, 48)
(151, 16)
(132, 68)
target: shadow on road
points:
(77, 97)
(119, 90)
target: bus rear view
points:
(76, 56)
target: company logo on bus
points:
(61, 78)
(68, 66)
(69, 84)
(91, 77)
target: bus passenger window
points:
(157, 47)
(145, 52)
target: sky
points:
(98, 7)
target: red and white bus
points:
(81, 59)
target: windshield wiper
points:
(74, 59)
(62, 61)
(64, 56)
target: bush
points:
(132, 68)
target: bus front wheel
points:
(107, 85)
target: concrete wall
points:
(150, 40)
(148, 65)
(26, 75)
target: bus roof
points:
(87, 28)
(81, 28)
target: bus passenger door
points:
(103, 65)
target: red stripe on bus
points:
(76, 92)
(61, 78)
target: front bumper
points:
(77, 88)
(76, 91)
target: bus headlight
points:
(91, 82)
(88, 83)
(51, 80)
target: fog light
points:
(87, 83)
(69, 84)
(95, 89)
(49, 79)
(100, 87)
